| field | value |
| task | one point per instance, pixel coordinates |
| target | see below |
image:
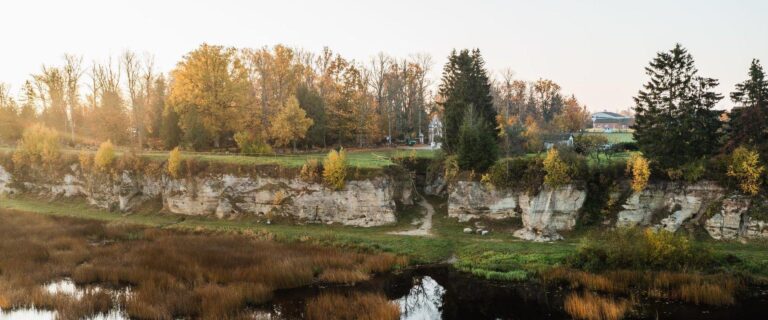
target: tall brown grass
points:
(173, 274)
(357, 306)
(589, 306)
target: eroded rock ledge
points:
(369, 202)
(667, 206)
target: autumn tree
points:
(639, 169)
(290, 123)
(573, 118)
(745, 167)
(557, 170)
(10, 120)
(210, 89)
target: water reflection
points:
(424, 300)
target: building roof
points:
(610, 117)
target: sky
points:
(596, 50)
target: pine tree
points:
(675, 122)
(465, 83)
(748, 124)
(476, 149)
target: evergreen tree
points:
(675, 122)
(465, 83)
(170, 131)
(477, 150)
(748, 124)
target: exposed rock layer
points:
(369, 202)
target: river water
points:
(443, 293)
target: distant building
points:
(611, 121)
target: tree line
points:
(258, 99)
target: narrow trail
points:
(426, 226)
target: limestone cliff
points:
(668, 205)
(542, 215)
(366, 202)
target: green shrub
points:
(251, 145)
(105, 156)
(451, 166)
(335, 169)
(634, 248)
(519, 173)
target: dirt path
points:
(426, 226)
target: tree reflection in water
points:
(424, 301)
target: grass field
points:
(615, 137)
(375, 158)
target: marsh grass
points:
(172, 274)
(696, 288)
(355, 306)
(590, 306)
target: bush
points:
(623, 147)
(174, 162)
(251, 145)
(85, 159)
(518, 174)
(310, 170)
(335, 169)
(39, 145)
(635, 248)
(105, 156)
(558, 172)
(638, 168)
(745, 167)
(451, 167)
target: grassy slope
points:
(498, 255)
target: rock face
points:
(542, 215)
(5, 182)
(727, 223)
(365, 203)
(657, 201)
(734, 221)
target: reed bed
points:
(590, 306)
(172, 274)
(355, 306)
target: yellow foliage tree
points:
(290, 124)
(105, 156)
(532, 135)
(638, 167)
(174, 162)
(746, 169)
(211, 82)
(335, 169)
(558, 172)
(39, 144)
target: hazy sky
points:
(594, 49)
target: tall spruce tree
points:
(748, 124)
(476, 149)
(675, 122)
(465, 84)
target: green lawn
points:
(375, 158)
(615, 137)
